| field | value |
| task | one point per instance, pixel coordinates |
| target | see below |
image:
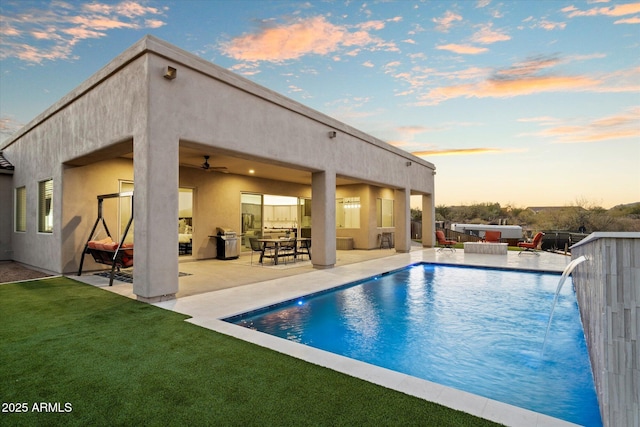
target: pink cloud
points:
(623, 125)
(54, 31)
(522, 78)
(153, 23)
(313, 35)
(463, 49)
(413, 130)
(528, 67)
(132, 9)
(496, 88)
(459, 152)
(487, 35)
(550, 25)
(444, 23)
(101, 23)
(371, 25)
(614, 11)
(634, 20)
(79, 33)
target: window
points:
(21, 209)
(45, 206)
(384, 212)
(348, 212)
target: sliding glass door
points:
(272, 216)
(251, 209)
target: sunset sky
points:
(525, 103)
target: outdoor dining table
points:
(276, 245)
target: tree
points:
(568, 218)
(443, 213)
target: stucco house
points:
(146, 121)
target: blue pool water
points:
(475, 329)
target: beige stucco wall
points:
(201, 107)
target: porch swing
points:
(106, 251)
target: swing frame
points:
(106, 256)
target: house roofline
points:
(5, 165)
(150, 44)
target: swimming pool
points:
(475, 329)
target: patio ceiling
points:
(192, 155)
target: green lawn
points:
(115, 361)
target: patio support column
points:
(428, 221)
(402, 214)
(155, 216)
(323, 222)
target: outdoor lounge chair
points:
(492, 236)
(531, 246)
(443, 242)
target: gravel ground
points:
(12, 272)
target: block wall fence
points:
(608, 292)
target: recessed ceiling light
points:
(252, 171)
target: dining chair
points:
(257, 246)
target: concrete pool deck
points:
(207, 308)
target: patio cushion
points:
(99, 244)
(111, 246)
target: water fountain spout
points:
(567, 271)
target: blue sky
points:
(525, 103)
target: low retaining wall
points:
(608, 291)
(485, 248)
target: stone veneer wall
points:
(608, 291)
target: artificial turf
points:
(97, 358)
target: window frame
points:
(380, 213)
(20, 209)
(45, 206)
(348, 213)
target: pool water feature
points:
(480, 330)
(570, 267)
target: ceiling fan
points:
(207, 167)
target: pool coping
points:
(208, 310)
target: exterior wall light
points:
(408, 164)
(170, 73)
(332, 134)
